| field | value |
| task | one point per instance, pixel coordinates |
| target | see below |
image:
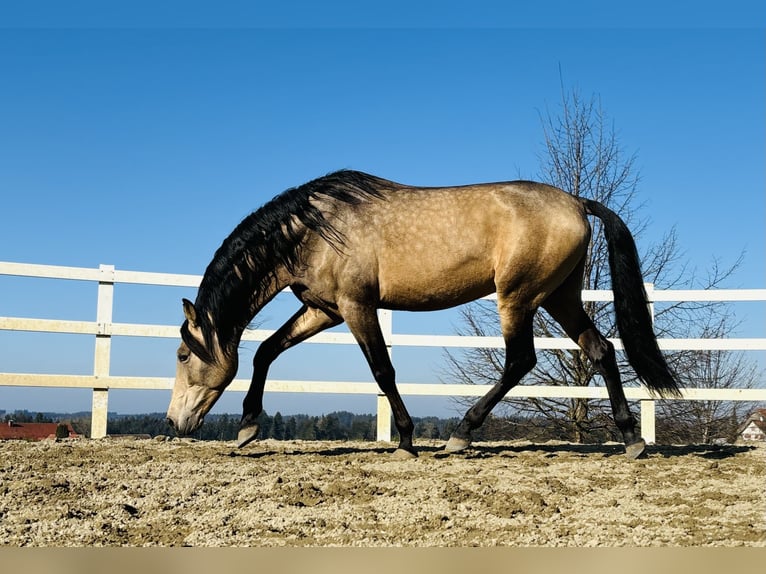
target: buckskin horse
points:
(349, 243)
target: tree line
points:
(344, 425)
(341, 425)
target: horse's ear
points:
(190, 312)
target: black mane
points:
(267, 239)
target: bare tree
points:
(582, 155)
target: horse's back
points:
(483, 223)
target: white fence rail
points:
(103, 329)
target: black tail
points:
(630, 304)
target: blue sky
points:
(143, 146)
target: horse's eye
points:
(183, 357)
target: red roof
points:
(761, 425)
(31, 431)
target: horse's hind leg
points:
(520, 358)
(565, 306)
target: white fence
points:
(104, 328)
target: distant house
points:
(755, 426)
(34, 431)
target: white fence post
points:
(648, 418)
(383, 430)
(103, 350)
(648, 407)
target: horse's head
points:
(203, 371)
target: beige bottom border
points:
(381, 560)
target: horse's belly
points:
(421, 290)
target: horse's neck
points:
(247, 305)
(279, 281)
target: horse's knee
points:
(265, 354)
(386, 378)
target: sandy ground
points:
(128, 492)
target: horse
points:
(349, 243)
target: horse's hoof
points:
(402, 454)
(247, 435)
(455, 444)
(636, 450)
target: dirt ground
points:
(159, 492)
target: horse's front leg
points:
(306, 322)
(252, 406)
(364, 325)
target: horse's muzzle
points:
(185, 427)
